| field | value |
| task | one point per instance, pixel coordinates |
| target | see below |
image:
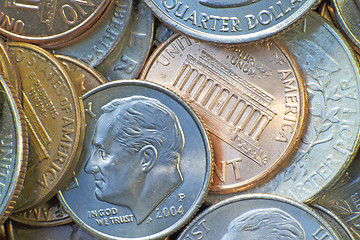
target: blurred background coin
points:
(224, 22)
(251, 98)
(128, 58)
(55, 120)
(146, 163)
(259, 217)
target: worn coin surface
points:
(230, 21)
(251, 99)
(55, 119)
(96, 46)
(145, 166)
(259, 216)
(338, 225)
(332, 136)
(128, 58)
(42, 22)
(83, 77)
(347, 16)
(13, 149)
(48, 214)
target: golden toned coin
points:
(41, 22)
(251, 99)
(8, 69)
(55, 119)
(84, 77)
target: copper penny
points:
(251, 99)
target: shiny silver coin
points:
(230, 21)
(259, 217)
(128, 58)
(145, 166)
(97, 45)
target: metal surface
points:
(128, 58)
(83, 77)
(43, 22)
(97, 45)
(332, 137)
(55, 120)
(13, 148)
(251, 99)
(234, 22)
(259, 217)
(163, 163)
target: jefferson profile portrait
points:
(268, 223)
(135, 157)
(227, 3)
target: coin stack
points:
(163, 119)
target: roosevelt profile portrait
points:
(135, 157)
(227, 3)
(268, 223)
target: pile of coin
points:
(169, 119)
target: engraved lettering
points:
(10, 24)
(321, 234)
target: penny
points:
(83, 77)
(338, 225)
(346, 13)
(231, 21)
(13, 149)
(251, 99)
(48, 214)
(8, 69)
(71, 231)
(259, 217)
(331, 138)
(96, 46)
(54, 116)
(128, 58)
(163, 163)
(43, 22)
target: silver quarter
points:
(230, 21)
(146, 163)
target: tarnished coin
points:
(251, 99)
(70, 231)
(347, 16)
(48, 214)
(41, 22)
(83, 77)
(331, 138)
(128, 58)
(230, 21)
(145, 166)
(259, 217)
(13, 149)
(55, 120)
(8, 69)
(338, 225)
(97, 45)
(162, 33)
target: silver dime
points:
(230, 21)
(145, 166)
(257, 217)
